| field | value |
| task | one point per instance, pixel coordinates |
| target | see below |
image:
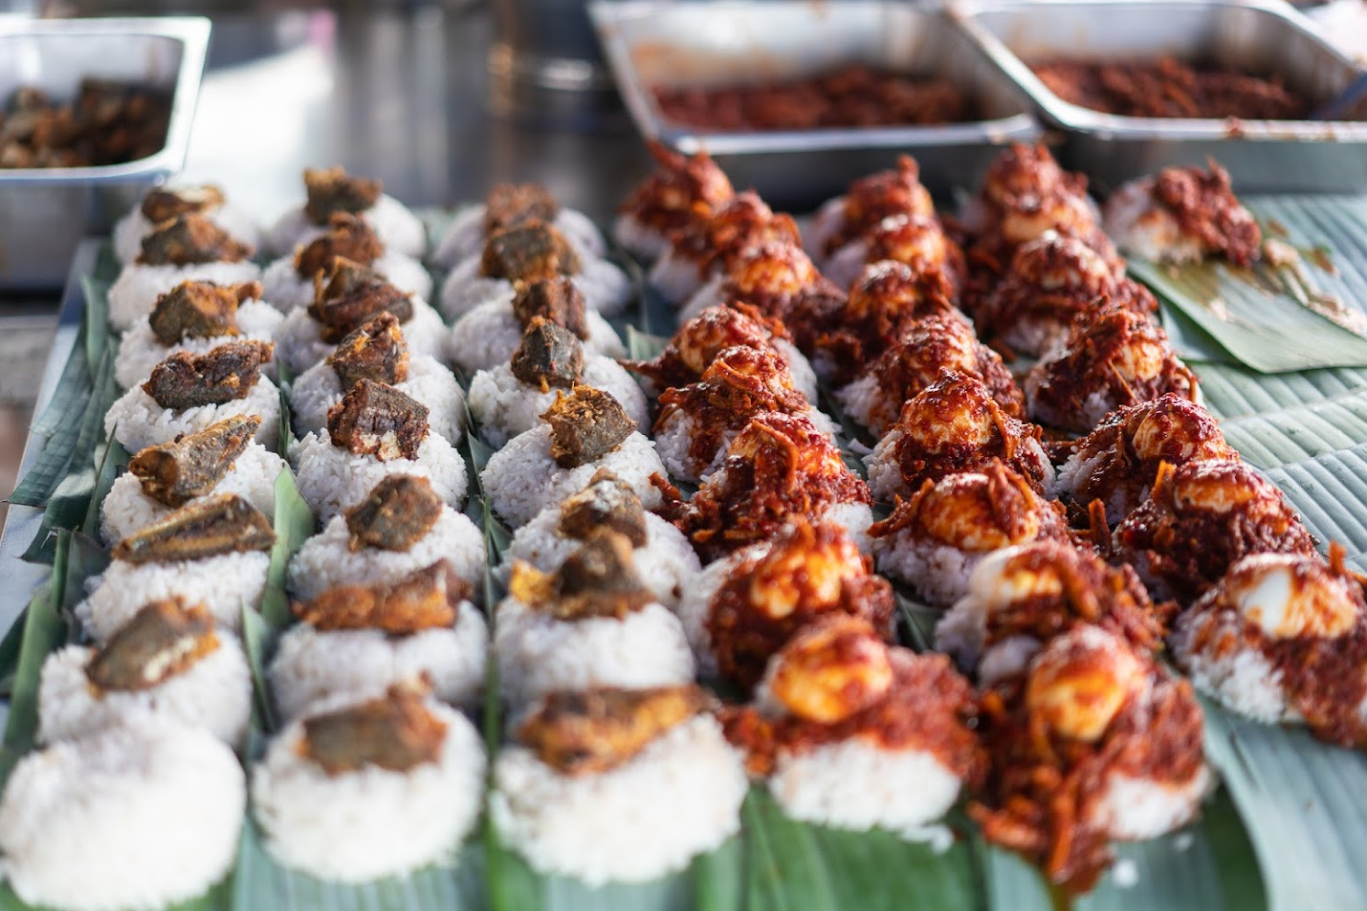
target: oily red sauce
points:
(852, 96)
(1172, 88)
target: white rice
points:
(938, 572)
(287, 290)
(857, 784)
(708, 294)
(224, 584)
(465, 236)
(214, 693)
(398, 228)
(1137, 809)
(373, 822)
(133, 227)
(676, 277)
(489, 334)
(855, 518)
(679, 797)
(638, 238)
(799, 368)
(140, 350)
(311, 667)
(136, 817)
(821, 227)
(505, 406)
(134, 293)
(137, 421)
(695, 608)
(325, 560)
(606, 288)
(859, 399)
(1008, 658)
(1240, 678)
(429, 382)
(1079, 468)
(521, 479)
(1146, 231)
(332, 479)
(299, 344)
(845, 264)
(666, 563)
(127, 510)
(539, 654)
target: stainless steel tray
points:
(1262, 156)
(734, 41)
(44, 213)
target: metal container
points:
(736, 42)
(1261, 156)
(45, 212)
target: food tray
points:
(1261, 156)
(38, 233)
(731, 41)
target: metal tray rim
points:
(193, 34)
(607, 14)
(1069, 116)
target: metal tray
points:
(44, 213)
(1261, 156)
(733, 41)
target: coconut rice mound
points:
(674, 442)
(856, 784)
(506, 407)
(313, 666)
(679, 798)
(638, 238)
(429, 382)
(695, 607)
(465, 237)
(398, 228)
(332, 479)
(488, 336)
(325, 560)
(1137, 809)
(606, 288)
(288, 290)
(134, 293)
(138, 816)
(522, 477)
(538, 654)
(373, 822)
(1240, 677)
(140, 350)
(137, 421)
(214, 693)
(133, 227)
(939, 572)
(666, 564)
(225, 584)
(126, 510)
(299, 343)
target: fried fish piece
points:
(193, 464)
(195, 309)
(379, 420)
(398, 512)
(223, 374)
(510, 204)
(557, 300)
(607, 502)
(395, 732)
(352, 295)
(528, 251)
(583, 732)
(586, 425)
(164, 638)
(597, 580)
(375, 351)
(162, 204)
(191, 238)
(333, 190)
(548, 356)
(219, 525)
(427, 598)
(348, 237)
